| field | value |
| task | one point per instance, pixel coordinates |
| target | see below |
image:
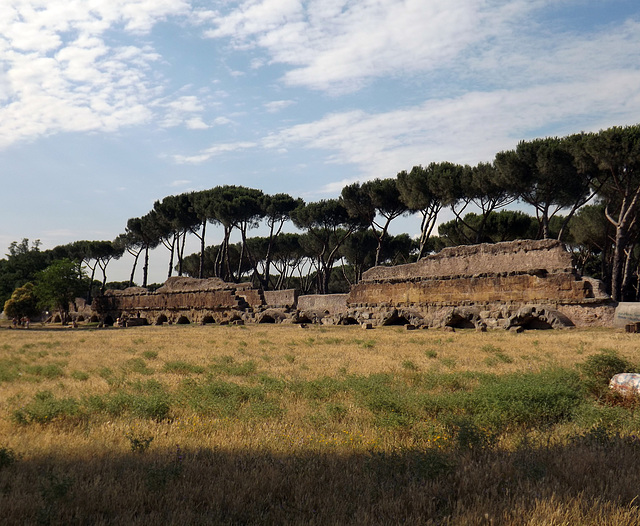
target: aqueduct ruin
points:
(519, 284)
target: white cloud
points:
(213, 151)
(59, 72)
(466, 129)
(277, 105)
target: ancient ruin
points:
(513, 285)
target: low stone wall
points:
(281, 298)
(626, 312)
(328, 303)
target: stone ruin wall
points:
(503, 285)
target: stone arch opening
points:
(108, 321)
(536, 324)
(208, 320)
(267, 318)
(183, 320)
(94, 319)
(460, 322)
(80, 318)
(161, 319)
(349, 320)
(395, 319)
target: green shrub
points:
(598, 369)
(228, 366)
(526, 399)
(46, 408)
(137, 365)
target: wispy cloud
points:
(213, 151)
(277, 105)
(61, 71)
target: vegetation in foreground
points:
(280, 425)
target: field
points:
(275, 424)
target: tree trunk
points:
(145, 270)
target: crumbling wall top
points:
(486, 259)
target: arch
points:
(183, 320)
(161, 319)
(267, 319)
(460, 322)
(94, 319)
(395, 319)
(108, 321)
(208, 319)
(349, 320)
(80, 318)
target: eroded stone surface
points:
(516, 285)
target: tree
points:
(484, 190)
(23, 262)
(616, 152)
(327, 224)
(544, 174)
(592, 240)
(59, 284)
(175, 218)
(143, 231)
(506, 225)
(277, 211)
(23, 302)
(419, 194)
(379, 202)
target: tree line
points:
(583, 189)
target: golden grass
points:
(294, 455)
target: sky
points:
(109, 105)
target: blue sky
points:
(109, 105)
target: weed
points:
(45, 408)
(80, 376)
(49, 371)
(450, 363)
(431, 353)
(182, 367)
(150, 355)
(409, 365)
(227, 365)
(139, 443)
(137, 365)
(7, 457)
(290, 358)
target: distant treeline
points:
(583, 188)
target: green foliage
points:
(228, 366)
(23, 302)
(138, 365)
(139, 443)
(45, 408)
(222, 399)
(59, 284)
(526, 399)
(598, 369)
(182, 367)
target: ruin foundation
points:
(529, 284)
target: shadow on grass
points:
(578, 483)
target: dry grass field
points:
(274, 424)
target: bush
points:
(597, 370)
(46, 408)
(529, 399)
